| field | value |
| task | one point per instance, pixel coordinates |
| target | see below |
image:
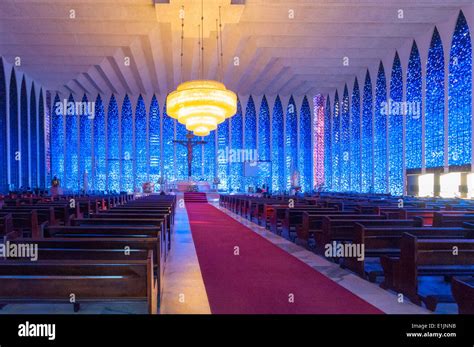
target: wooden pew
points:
(25, 222)
(452, 218)
(25, 281)
(463, 293)
(140, 215)
(6, 226)
(293, 218)
(45, 214)
(428, 257)
(383, 240)
(343, 229)
(312, 224)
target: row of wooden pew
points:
(403, 241)
(96, 248)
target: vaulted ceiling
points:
(133, 46)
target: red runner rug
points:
(262, 279)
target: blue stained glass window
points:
(380, 135)
(355, 146)
(395, 130)
(34, 138)
(85, 143)
(278, 146)
(251, 136)
(57, 140)
(168, 146)
(24, 135)
(126, 177)
(100, 155)
(345, 142)
(141, 154)
(367, 138)
(304, 151)
(209, 151)
(197, 167)
(3, 131)
(182, 155)
(328, 146)
(236, 168)
(291, 142)
(42, 140)
(336, 144)
(264, 142)
(460, 95)
(434, 113)
(72, 164)
(413, 114)
(113, 146)
(222, 155)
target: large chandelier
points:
(202, 104)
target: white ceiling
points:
(277, 54)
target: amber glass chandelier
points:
(202, 104)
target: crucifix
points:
(189, 144)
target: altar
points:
(192, 186)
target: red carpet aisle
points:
(262, 277)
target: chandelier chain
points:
(221, 48)
(182, 42)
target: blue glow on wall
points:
(85, 142)
(236, 169)
(414, 106)
(395, 131)
(304, 148)
(24, 161)
(264, 142)
(72, 164)
(250, 135)
(168, 146)
(182, 155)
(3, 131)
(327, 146)
(434, 113)
(34, 138)
(380, 135)
(291, 142)
(367, 138)
(197, 166)
(460, 95)
(278, 146)
(141, 153)
(222, 148)
(355, 139)
(345, 145)
(209, 162)
(336, 144)
(126, 177)
(100, 145)
(57, 141)
(42, 141)
(113, 146)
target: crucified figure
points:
(189, 144)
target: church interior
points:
(236, 157)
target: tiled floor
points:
(184, 290)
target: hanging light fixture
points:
(201, 104)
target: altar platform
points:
(192, 186)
